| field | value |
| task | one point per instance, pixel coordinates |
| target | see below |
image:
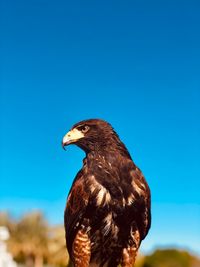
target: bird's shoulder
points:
(77, 197)
(121, 186)
(117, 175)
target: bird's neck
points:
(104, 146)
(108, 153)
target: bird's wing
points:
(76, 204)
(129, 196)
(139, 202)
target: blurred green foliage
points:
(33, 242)
(171, 258)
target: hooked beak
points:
(63, 145)
(71, 137)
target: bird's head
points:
(93, 134)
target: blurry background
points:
(135, 64)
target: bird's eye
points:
(84, 128)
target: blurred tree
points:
(170, 258)
(57, 247)
(29, 240)
(6, 220)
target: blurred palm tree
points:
(6, 220)
(29, 240)
(33, 242)
(57, 247)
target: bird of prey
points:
(107, 213)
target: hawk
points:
(107, 213)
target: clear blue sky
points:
(135, 64)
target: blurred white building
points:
(6, 259)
